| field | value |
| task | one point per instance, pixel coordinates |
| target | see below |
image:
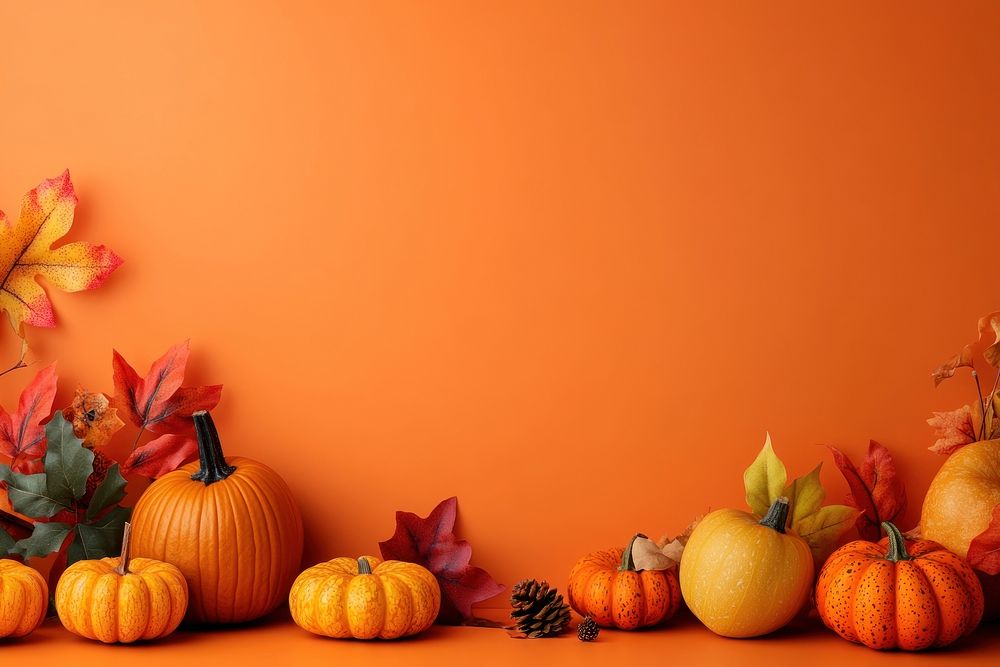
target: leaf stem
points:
(20, 363)
(982, 404)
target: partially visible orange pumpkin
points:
(898, 595)
(24, 597)
(606, 586)
(744, 577)
(232, 527)
(959, 504)
(365, 598)
(121, 600)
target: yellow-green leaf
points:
(823, 529)
(764, 479)
(805, 495)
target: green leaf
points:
(765, 479)
(68, 463)
(109, 492)
(6, 543)
(45, 539)
(805, 495)
(101, 538)
(29, 494)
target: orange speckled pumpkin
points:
(606, 586)
(230, 525)
(121, 600)
(24, 597)
(894, 595)
(365, 598)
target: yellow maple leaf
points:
(26, 252)
(820, 526)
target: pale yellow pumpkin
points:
(24, 597)
(744, 577)
(365, 598)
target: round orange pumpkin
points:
(606, 586)
(898, 595)
(959, 505)
(230, 525)
(121, 600)
(24, 597)
(365, 598)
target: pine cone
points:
(588, 630)
(102, 464)
(539, 611)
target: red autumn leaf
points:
(431, 542)
(876, 489)
(22, 437)
(948, 368)
(984, 550)
(158, 457)
(158, 402)
(954, 429)
(14, 525)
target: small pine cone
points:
(588, 630)
(539, 611)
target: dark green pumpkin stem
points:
(777, 516)
(628, 563)
(897, 545)
(364, 567)
(213, 462)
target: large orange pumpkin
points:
(24, 598)
(959, 504)
(230, 525)
(606, 586)
(897, 595)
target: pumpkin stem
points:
(628, 563)
(897, 544)
(364, 567)
(126, 556)
(213, 462)
(777, 516)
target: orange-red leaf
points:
(948, 368)
(22, 436)
(984, 550)
(954, 429)
(158, 402)
(876, 489)
(987, 325)
(26, 252)
(160, 456)
(93, 419)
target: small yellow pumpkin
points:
(24, 597)
(365, 598)
(742, 577)
(121, 600)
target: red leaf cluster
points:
(22, 436)
(431, 542)
(984, 550)
(876, 489)
(159, 404)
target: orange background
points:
(566, 260)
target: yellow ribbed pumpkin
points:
(744, 577)
(24, 597)
(365, 598)
(230, 525)
(121, 600)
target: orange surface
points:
(566, 260)
(684, 643)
